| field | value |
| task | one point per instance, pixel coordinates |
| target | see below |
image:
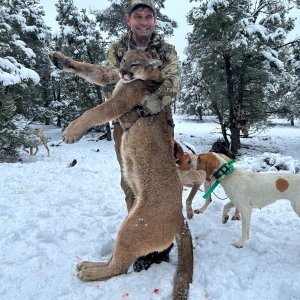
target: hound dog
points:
(192, 176)
(43, 140)
(247, 190)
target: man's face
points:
(142, 22)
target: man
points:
(141, 20)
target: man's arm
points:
(170, 73)
(162, 97)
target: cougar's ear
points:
(155, 63)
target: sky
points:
(53, 216)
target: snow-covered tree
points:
(234, 48)
(80, 39)
(21, 31)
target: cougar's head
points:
(138, 64)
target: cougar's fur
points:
(156, 216)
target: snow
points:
(52, 216)
(12, 72)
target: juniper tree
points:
(80, 39)
(21, 30)
(232, 48)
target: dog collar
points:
(219, 175)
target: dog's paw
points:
(225, 219)
(199, 211)
(235, 218)
(190, 213)
(59, 60)
(238, 245)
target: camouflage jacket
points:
(158, 49)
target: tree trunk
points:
(108, 132)
(235, 140)
(292, 121)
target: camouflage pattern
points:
(161, 98)
(148, 3)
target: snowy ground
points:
(53, 216)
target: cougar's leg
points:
(132, 241)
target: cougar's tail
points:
(184, 272)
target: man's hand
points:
(152, 104)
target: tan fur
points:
(156, 216)
(43, 138)
(248, 190)
(193, 172)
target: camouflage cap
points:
(148, 3)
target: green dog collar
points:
(219, 175)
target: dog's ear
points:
(209, 163)
(212, 165)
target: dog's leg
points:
(36, 150)
(189, 200)
(30, 150)
(226, 209)
(236, 216)
(47, 148)
(25, 150)
(207, 201)
(246, 219)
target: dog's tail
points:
(184, 272)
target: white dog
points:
(247, 190)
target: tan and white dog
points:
(191, 175)
(247, 190)
(43, 140)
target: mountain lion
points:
(156, 216)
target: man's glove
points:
(152, 104)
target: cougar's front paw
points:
(72, 133)
(59, 60)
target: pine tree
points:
(21, 27)
(80, 39)
(232, 48)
